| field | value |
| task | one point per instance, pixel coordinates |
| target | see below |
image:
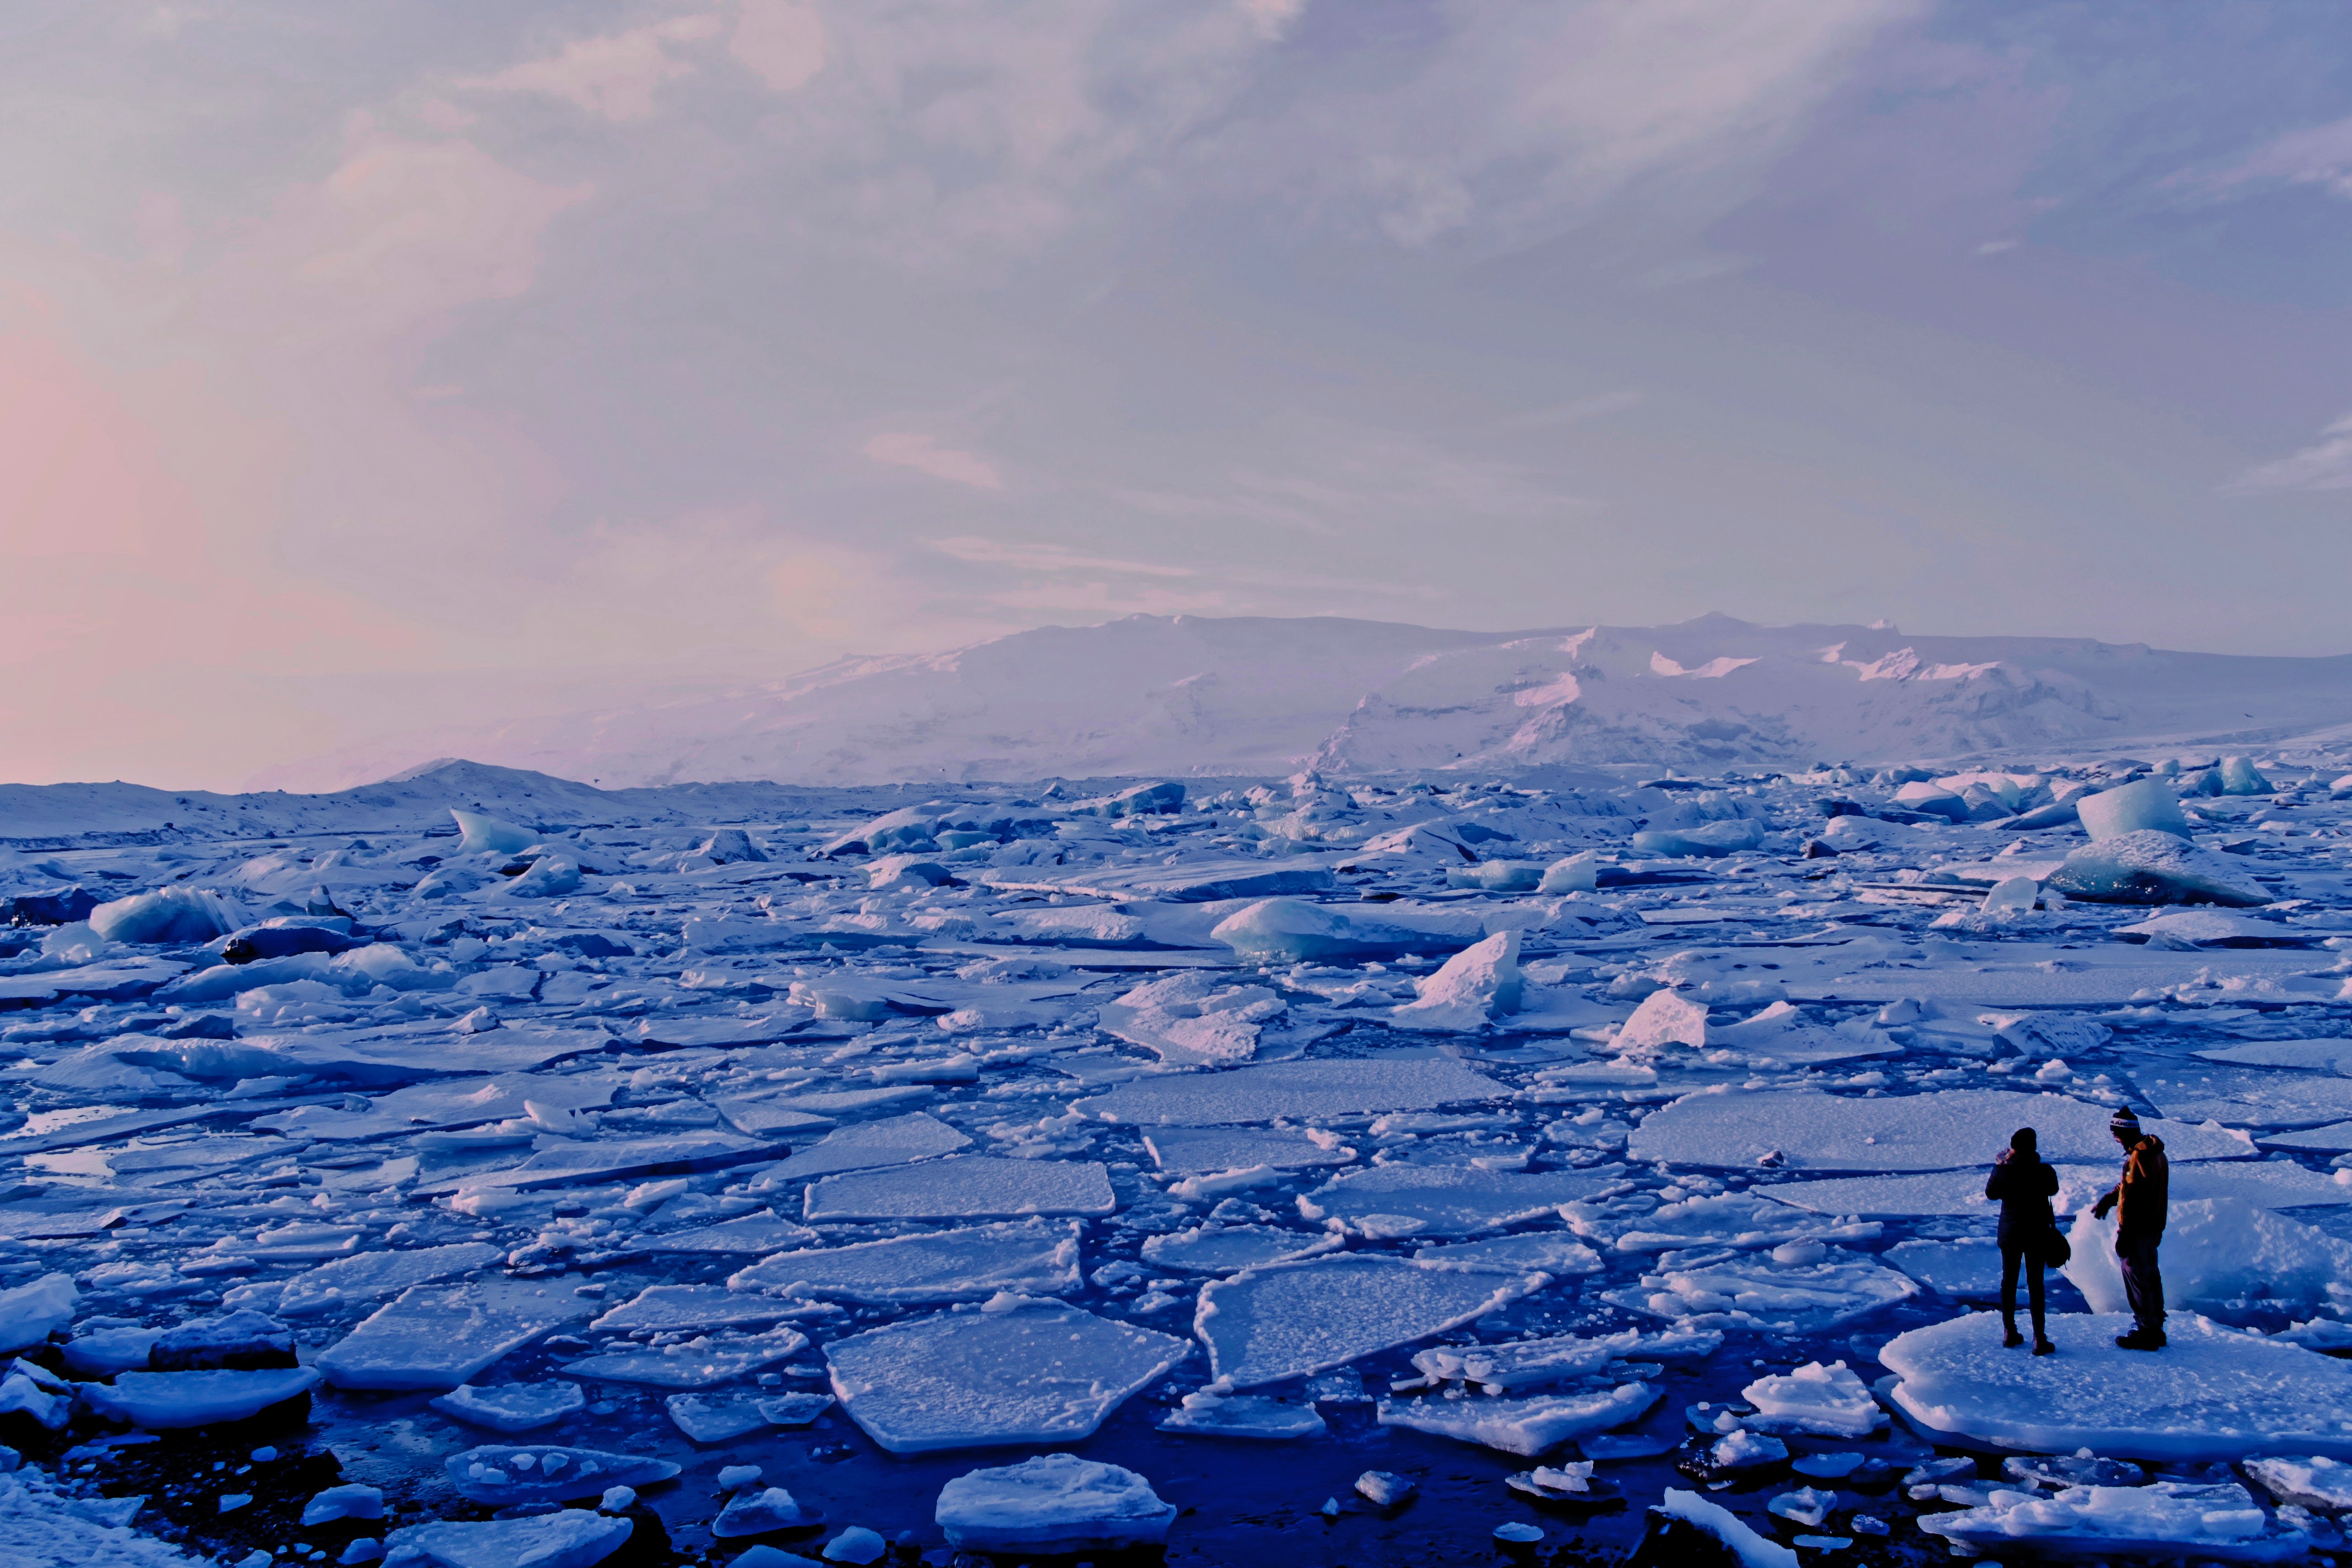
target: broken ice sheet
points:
(504, 1475)
(1808, 1130)
(1525, 1425)
(512, 1406)
(1293, 1319)
(1028, 1373)
(698, 1363)
(716, 1417)
(374, 1274)
(894, 1141)
(755, 1234)
(1192, 1149)
(966, 1187)
(1193, 1018)
(1224, 1249)
(1033, 1257)
(666, 1309)
(436, 1337)
(1297, 1090)
(173, 1400)
(1762, 1293)
(1555, 1253)
(1211, 1413)
(1443, 1200)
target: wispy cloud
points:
(1047, 558)
(908, 449)
(2324, 465)
(615, 76)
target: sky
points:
(368, 367)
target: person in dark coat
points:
(2022, 1183)
(2142, 1201)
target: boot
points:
(2043, 1347)
(2009, 1337)
(2140, 1339)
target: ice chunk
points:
(504, 1475)
(893, 1140)
(1033, 1373)
(177, 914)
(353, 1501)
(2320, 1484)
(793, 1409)
(2218, 1252)
(1475, 985)
(166, 1401)
(1193, 1018)
(1290, 931)
(2148, 866)
(716, 1418)
(666, 1309)
(1577, 874)
(698, 1363)
(1708, 839)
(2205, 1522)
(1498, 877)
(2144, 805)
(1825, 1401)
(1766, 1296)
(1187, 1149)
(372, 1276)
(1955, 1268)
(1035, 1257)
(2240, 776)
(30, 1313)
(242, 1339)
(568, 1538)
(1222, 1250)
(1298, 1091)
(2213, 1393)
(105, 1351)
(1291, 1320)
(512, 1406)
(1209, 1414)
(967, 1187)
(1727, 1219)
(758, 1234)
(1663, 1019)
(483, 835)
(1746, 1547)
(1442, 1200)
(1052, 1505)
(756, 1513)
(1946, 1130)
(1555, 1253)
(1516, 1364)
(2011, 893)
(436, 1337)
(1527, 1425)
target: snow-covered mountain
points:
(1191, 694)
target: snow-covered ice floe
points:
(2214, 1393)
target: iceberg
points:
(2145, 806)
(1054, 1504)
(1291, 1320)
(2213, 1393)
(1473, 988)
(483, 835)
(166, 915)
(1031, 1372)
(1663, 1019)
(2150, 867)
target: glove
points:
(2099, 1210)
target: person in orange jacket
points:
(2141, 1201)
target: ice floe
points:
(1293, 1319)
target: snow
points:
(1031, 1372)
(1290, 1320)
(2214, 1393)
(1053, 1504)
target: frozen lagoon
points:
(736, 1123)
